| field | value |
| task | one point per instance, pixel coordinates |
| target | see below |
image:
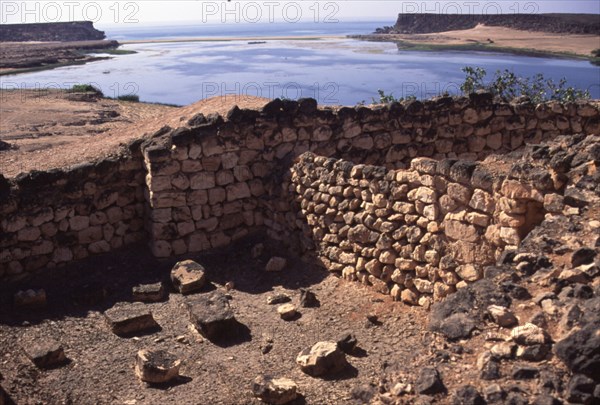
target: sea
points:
(335, 71)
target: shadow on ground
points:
(97, 283)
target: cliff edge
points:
(47, 32)
(553, 23)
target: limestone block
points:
(469, 272)
(202, 181)
(29, 234)
(237, 191)
(459, 193)
(482, 201)
(191, 166)
(461, 231)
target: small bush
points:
(85, 88)
(129, 97)
(507, 85)
(389, 98)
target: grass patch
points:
(112, 51)
(134, 98)
(85, 88)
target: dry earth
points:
(506, 37)
(49, 129)
(100, 370)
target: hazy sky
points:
(111, 12)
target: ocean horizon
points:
(334, 71)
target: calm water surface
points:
(334, 71)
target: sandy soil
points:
(18, 57)
(507, 37)
(53, 129)
(101, 364)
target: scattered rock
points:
(267, 344)
(364, 393)
(127, 319)
(401, 389)
(494, 394)
(571, 276)
(502, 316)
(276, 264)
(30, 299)
(516, 398)
(211, 315)
(156, 366)
(321, 359)
(503, 350)
(4, 146)
(45, 353)
(230, 285)
(581, 390)
(287, 312)
(529, 334)
(347, 342)
(276, 391)
(489, 367)
(278, 299)
(546, 399)
(308, 299)
(580, 350)
(583, 255)
(533, 352)
(467, 395)
(525, 373)
(148, 292)
(188, 276)
(457, 326)
(429, 382)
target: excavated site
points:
(439, 251)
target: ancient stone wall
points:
(416, 234)
(216, 179)
(51, 218)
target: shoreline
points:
(408, 45)
(498, 39)
(233, 38)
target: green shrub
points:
(389, 98)
(507, 85)
(85, 88)
(129, 97)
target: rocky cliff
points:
(556, 23)
(45, 32)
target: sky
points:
(115, 12)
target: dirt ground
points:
(506, 37)
(49, 129)
(100, 369)
(17, 57)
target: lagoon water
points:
(334, 71)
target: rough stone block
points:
(156, 366)
(211, 315)
(130, 319)
(45, 353)
(275, 391)
(148, 292)
(188, 276)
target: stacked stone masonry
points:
(50, 218)
(414, 214)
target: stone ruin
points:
(400, 197)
